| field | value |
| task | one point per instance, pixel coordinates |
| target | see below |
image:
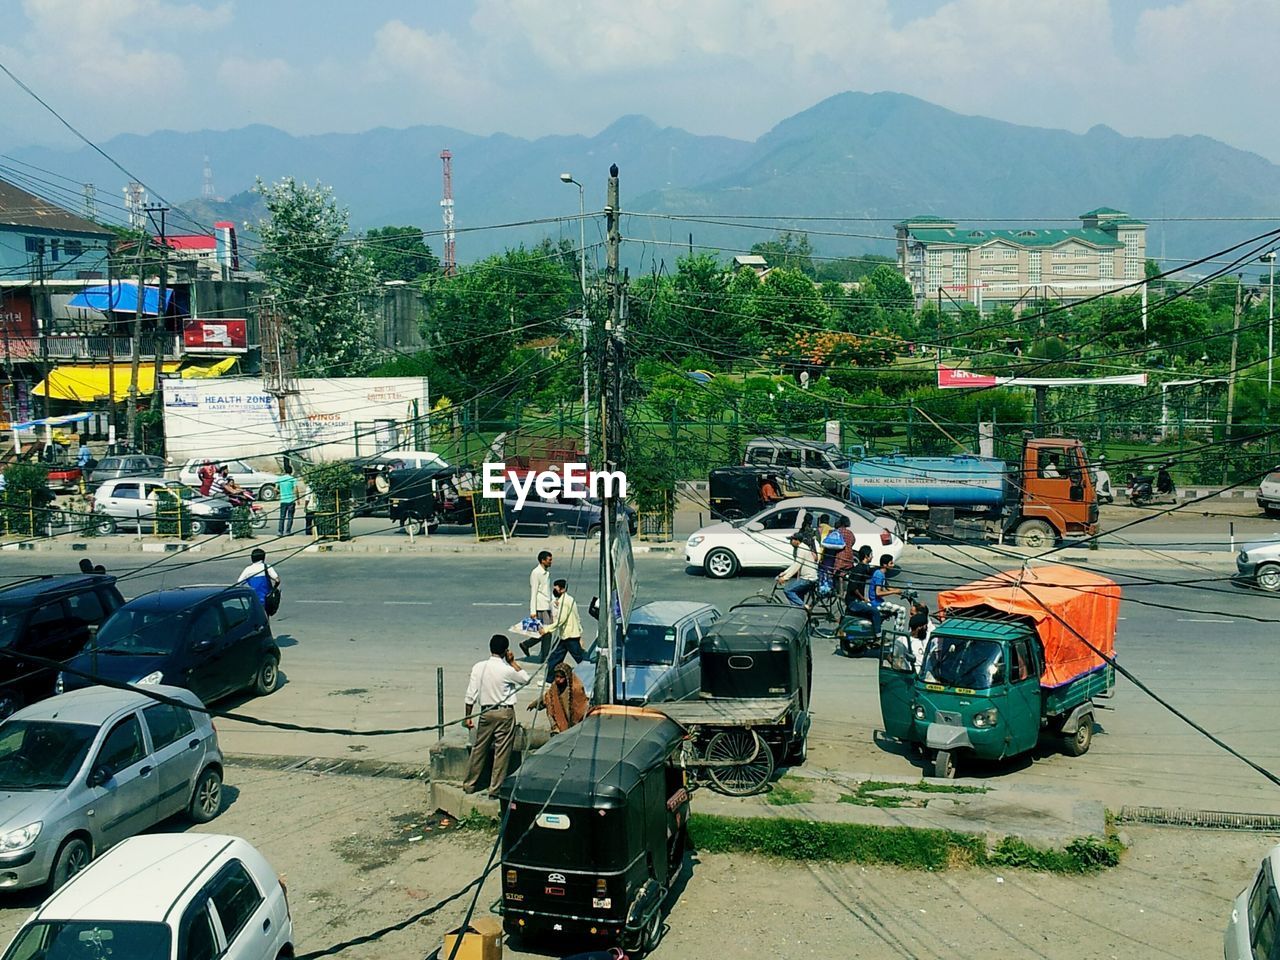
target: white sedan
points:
(722, 549)
(258, 482)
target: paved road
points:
(362, 637)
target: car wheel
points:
(268, 491)
(593, 532)
(73, 856)
(944, 765)
(1268, 577)
(268, 675)
(105, 527)
(1035, 534)
(720, 564)
(198, 527)
(206, 799)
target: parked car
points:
(723, 549)
(657, 658)
(52, 618)
(64, 476)
(129, 465)
(1258, 565)
(258, 482)
(213, 640)
(1255, 915)
(1269, 494)
(579, 517)
(82, 771)
(165, 897)
(811, 466)
(130, 505)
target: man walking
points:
(539, 595)
(288, 488)
(565, 631)
(493, 686)
(262, 579)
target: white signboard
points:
(327, 419)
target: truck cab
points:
(1053, 494)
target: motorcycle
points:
(856, 635)
(243, 498)
(1146, 489)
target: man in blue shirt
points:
(877, 589)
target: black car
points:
(213, 640)
(51, 617)
(578, 517)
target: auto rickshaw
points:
(1017, 656)
(735, 492)
(595, 831)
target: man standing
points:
(566, 628)
(844, 558)
(802, 576)
(539, 595)
(493, 685)
(288, 488)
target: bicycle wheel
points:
(739, 762)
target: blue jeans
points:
(286, 517)
(796, 590)
(569, 645)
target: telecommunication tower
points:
(135, 202)
(207, 192)
(446, 209)
(90, 201)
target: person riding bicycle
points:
(802, 576)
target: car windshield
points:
(42, 754)
(649, 643)
(960, 662)
(10, 623)
(91, 940)
(139, 632)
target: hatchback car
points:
(131, 505)
(51, 618)
(83, 771)
(1258, 565)
(1268, 495)
(261, 483)
(213, 640)
(657, 658)
(1253, 932)
(132, 465)
(190, 896)
(762, 541)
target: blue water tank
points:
(973, 483)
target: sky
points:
(535, 67)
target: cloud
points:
(249, 78)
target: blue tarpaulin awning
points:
(121, 297)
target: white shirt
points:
(494, 683)
(539, 590)
(567, 622)
(803, 567)
(257, 570)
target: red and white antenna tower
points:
(446, 209)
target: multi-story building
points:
(952, 265)
(41, 241)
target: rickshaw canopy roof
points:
(596, 763)
(758, 625)
(1061, 602)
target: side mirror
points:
(755, 526)
(99, 776)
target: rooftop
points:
(18, 208)
(94, 705)
(1094, 236)
(42, 586)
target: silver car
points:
(258, 482)
(82, 771)
(1258, 565)
(1268, 495)
(658, 658)
(1255, 916)
(129, 504)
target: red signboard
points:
(15, 314)
(950, 378)
(215, 336)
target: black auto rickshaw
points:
(595, 831)
(736, 492)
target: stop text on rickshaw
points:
(575, 482)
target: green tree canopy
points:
(788, 250)
(399, 253)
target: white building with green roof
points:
(952, 265)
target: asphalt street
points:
(362, 636)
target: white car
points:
(1255, 915)
(722, 549)
(258, 482)
(161, 897)
(1269, 494)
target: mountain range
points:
(854, 163)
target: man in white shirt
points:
(539, 596)
(801, 577)
(493, 687)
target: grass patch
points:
(912, 848)
(786, 794)
(877, 793)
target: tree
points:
(399, 253)
(787, 303)
(791, 251)
(319, 278)
(851, 269)
(700, 311)
(889, 288)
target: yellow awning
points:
(86, 383)
(207, 371)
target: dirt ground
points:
(358, 855)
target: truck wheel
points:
(944, 765)
(1077, 741)
(720, 564)
(1035, 534)
(1268, 577)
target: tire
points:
(268, 491)
(1267, 577)
(944, 765)
(798, 753)
(257, 519)
(105, 527)
(73, 856)
(198, 527)
(720, 564)
(1077, 742)
(593, 532)
(268, 675)
(1035, 534)
(206, 798)
(652, 935)
(750, 759)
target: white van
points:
(813, 468)
(1255, 916)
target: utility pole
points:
(610, 437)
(158, 335)
(131, 413)
(42, 318)
(1231, 373)
(1270, 258)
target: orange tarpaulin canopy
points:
(1088, 602)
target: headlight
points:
(150, 679)
(918, 710)
(59, 685)
(22, 837)
(987, 718)
(696, 539)
(1244, 557)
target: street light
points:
(1270, 258)
(582, 276)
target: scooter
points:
(243, 498)
(1102, 483)
(1146, 489)
(855, 634)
